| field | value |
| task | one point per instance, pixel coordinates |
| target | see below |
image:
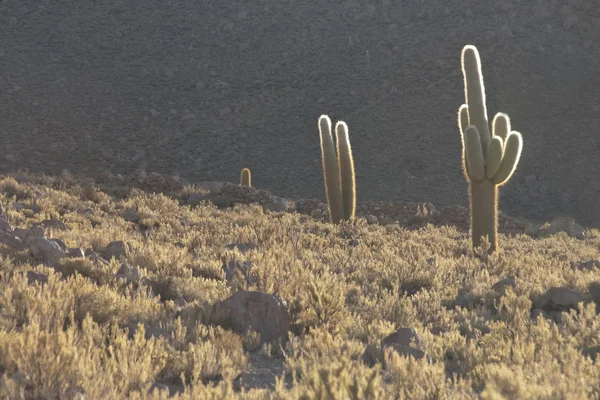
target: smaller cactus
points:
(338, 170)
(246, 177)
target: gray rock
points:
(586, 265)
(116, 249)
(404, 337)
(12, 241)
(130, 274)
(130, 215)
(504, 284)
(54, 224)
(47, 251)
(266, 314)
(242, 247)
(194, 199)
(36, 277)
(561, 299)
(211, 186)
(75, 253)
(95, 257)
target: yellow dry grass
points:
(346, 285)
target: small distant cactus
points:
(246, 177)
(488, 160)
(338, 170)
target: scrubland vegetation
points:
(519, 323)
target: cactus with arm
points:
(338, 170)
(489, 159)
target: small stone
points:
(130, 215)
(371, 219)
(504, 284)
(561, 299)
(130, 274)
(36, 277)
(403, 337)
(266, 314)
(47, 251)
(160, 387)
(75, 253)
(116, 249)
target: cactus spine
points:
(246, 177)
(488, 159)
(338, 170)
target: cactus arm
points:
(494, 159)
(331, 173)
(501, 125)
(463, 124)
(346, 166)
(510, 160)
(246, 177)
(475, 94)
(474, 154)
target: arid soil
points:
(203, 89)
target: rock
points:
(47, 251)
(410, 352)
(36, 277)
(116, 249)
(211, 186)
(161, 387)
(561, 299)
(586, 265)
(402, 341)
(594, 290)
(149, 330)
(462, 301)
(12, 241)
(60, 244)
(194, 199)
(235, 268)
(403, 337)
(591, 352)
(502, 285)
(130, 274)
(75, 253)
(53, 223)
(567, 225)
(242, 247)
(266, 314)
(95, 257)
(4, 223)
(130, 215)
(33, 232)
(279, 204)
(371, 219)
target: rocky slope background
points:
(201, 90)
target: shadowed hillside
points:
(202, 89)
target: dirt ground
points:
(203, 89)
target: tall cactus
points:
(488, 160)
(246, 177)
(338, 170)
